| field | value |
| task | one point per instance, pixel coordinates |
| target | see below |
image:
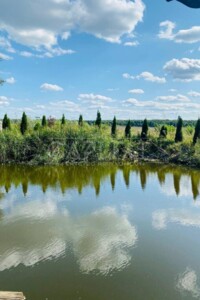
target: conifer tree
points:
(179, 134)
(24, 123)
(63, 121)
(44, 121)
(197, 132)
(128, 130)
(114, 127)
(145, 129)
(98, 119)
(6, 122)
(80, 121)
(163, 132)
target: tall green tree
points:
(98, 119)
(63, 121)
(24, 123)
(44, 121)
(145, 129)
(163, 132)
(80, 121)
(114, 127)
(197, 132)
(179, 134)
(6, 122)
(128, 129)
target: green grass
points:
(74, 144)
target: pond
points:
(100, 232)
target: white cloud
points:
(26, 54)
(146, 76)
(131, 44)
(5, 44)
(184, 69)
(166, 31)
(128, 76)
(51, 87)
(178, 97)
(94, 97)
(136, 91)
(66, 105)
(194, 94)
(105, 19)
(191, 35)
(150, 77)
(4, 101)
(5, 57)
(40, 106)
(101, 240)
(11, 80)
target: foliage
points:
(6, 122)
(24, 123)
(179, 134)
(128, 130)
(74, 144)
(114, 127)
(98, 119)
(51, 121)
(80, 121)
(163, 132)
(63, 121)
(145, 129)
(197, 132)
(44, 121)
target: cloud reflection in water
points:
(38, 231)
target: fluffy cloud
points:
(136, 91)
(11, 80)
(184, 69)
(105, 19)
(131, 44)
(191, 35)
(100, 240)
(93, 97)
(161, 218)
(51, 87)
(194, 94)
(179, 98)
(146, 76)
(5, 44)
(166, 31)
(150, 77)
(4, 101)
(5, 57)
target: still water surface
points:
(100, 232)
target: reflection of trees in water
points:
(143, 178)
(161, 176)
(126, 174)
(195, 184)
(177, 179)
(112, 178)
(80, 176)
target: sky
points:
(132, 59)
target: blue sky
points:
(132, 59)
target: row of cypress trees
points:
(163, 130)
(6, 124)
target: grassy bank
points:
(71, 143)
